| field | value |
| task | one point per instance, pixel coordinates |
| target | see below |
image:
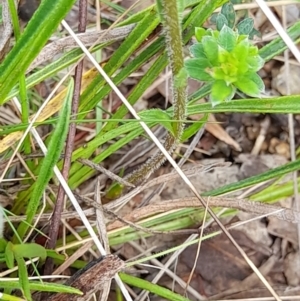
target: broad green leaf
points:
(29, 250)
(227, 38)
(250, 85)
(54, 151)
(200, 32)
(245, 27)
(255, 63)
(221, 21)
(36, 34)
(241, 50)
(221, 92)
(257, 80)
(9, 255)
(197, 51)
(253, 33)
(196, 69)
(228, 11)
(211, 47)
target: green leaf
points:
(137, 36)
(211, 47)
(253, 33)
(194, 128)
(114, 191)
(36, 34)
(245, 27)
(44, 287)
(200, 32)
(277, 46)
(221, 21)
(257, 80)
(221, 92)
(9, 255)
(3, 244)
(23, 278)
(163, 116)
(241, 50)
(263, 177)
(54, 150)
(6, 297)
(227, 38)
(153, 288)
(30, 250)
(197, 51)
(196, 69)
(283, 105)
(255, 63)
(228, 11)
(250, 84)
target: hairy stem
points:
(170, 12)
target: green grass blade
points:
(54, 150)
(6, 297)
(126, 49)
(152, 74)
(135, 64)
(85, 172)
(37, 32)
(23, 277)
(277, 46)
(44, 287)
(271, 174)
(153, 288)
(284, 104)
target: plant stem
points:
(170, 17)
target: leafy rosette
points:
(228, 60)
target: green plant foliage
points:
(224, 58)
(164, 118)
(35, 36)
(54, 150)
(153, 288)
(39, 286)
(17, 253)
(228, 12)
(228, 60)
(245, 27)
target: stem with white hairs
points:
(170, 13)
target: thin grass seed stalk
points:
(170, 12)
